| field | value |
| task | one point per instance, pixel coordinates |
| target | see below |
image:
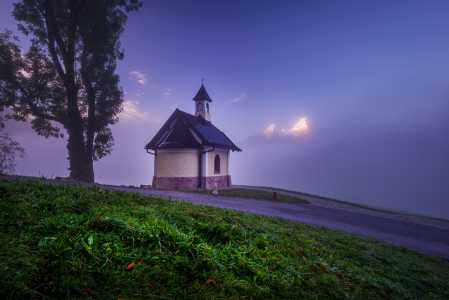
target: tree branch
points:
(50, 19)
(34, 109)
(55, 59)
(51, 46)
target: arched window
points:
(217, 164)
(200, 106)
(207, 107)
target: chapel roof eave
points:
(209, 134)
(177, 136)
(203, 129)
(153, 143)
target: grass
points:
(59, 241)
(253, 194)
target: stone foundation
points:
(190, 183)
(175, 183)
(208, 183)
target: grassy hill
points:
(61, 241)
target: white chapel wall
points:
(177, 164)
(223, 162)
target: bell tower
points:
(202, 103)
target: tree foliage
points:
(9, 149)
(68, 74)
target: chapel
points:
(190, 152)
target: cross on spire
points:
(202, 80)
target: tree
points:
(67, 75)
(9, 149)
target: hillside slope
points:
(59, 241)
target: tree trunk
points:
(77, 153)
(90, 132)
(76, 145)
(90, 169)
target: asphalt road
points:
(428, 239)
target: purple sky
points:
(370, 77)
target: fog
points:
(344, 99)
(385, 160)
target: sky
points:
(343, 99)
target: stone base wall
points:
(208, 183)
(175, 183)
(190, 183)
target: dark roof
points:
(179, 137)
(208, 133)
(202, 95)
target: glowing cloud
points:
(241, 97)
(141, 77)
(269, 131)
(299, 128)
(132, 112)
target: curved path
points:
(432, 240)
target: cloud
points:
(167, 93)
(241, 97)
(271, 135)
(141, 77)
(132, 112)
(269, 131)
(174, 107)
(299, 128)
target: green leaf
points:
(85, 245)
(90, 240)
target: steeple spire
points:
(202, 100)
(202, 94)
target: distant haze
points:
(343, 99)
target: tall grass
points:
(60, 241)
